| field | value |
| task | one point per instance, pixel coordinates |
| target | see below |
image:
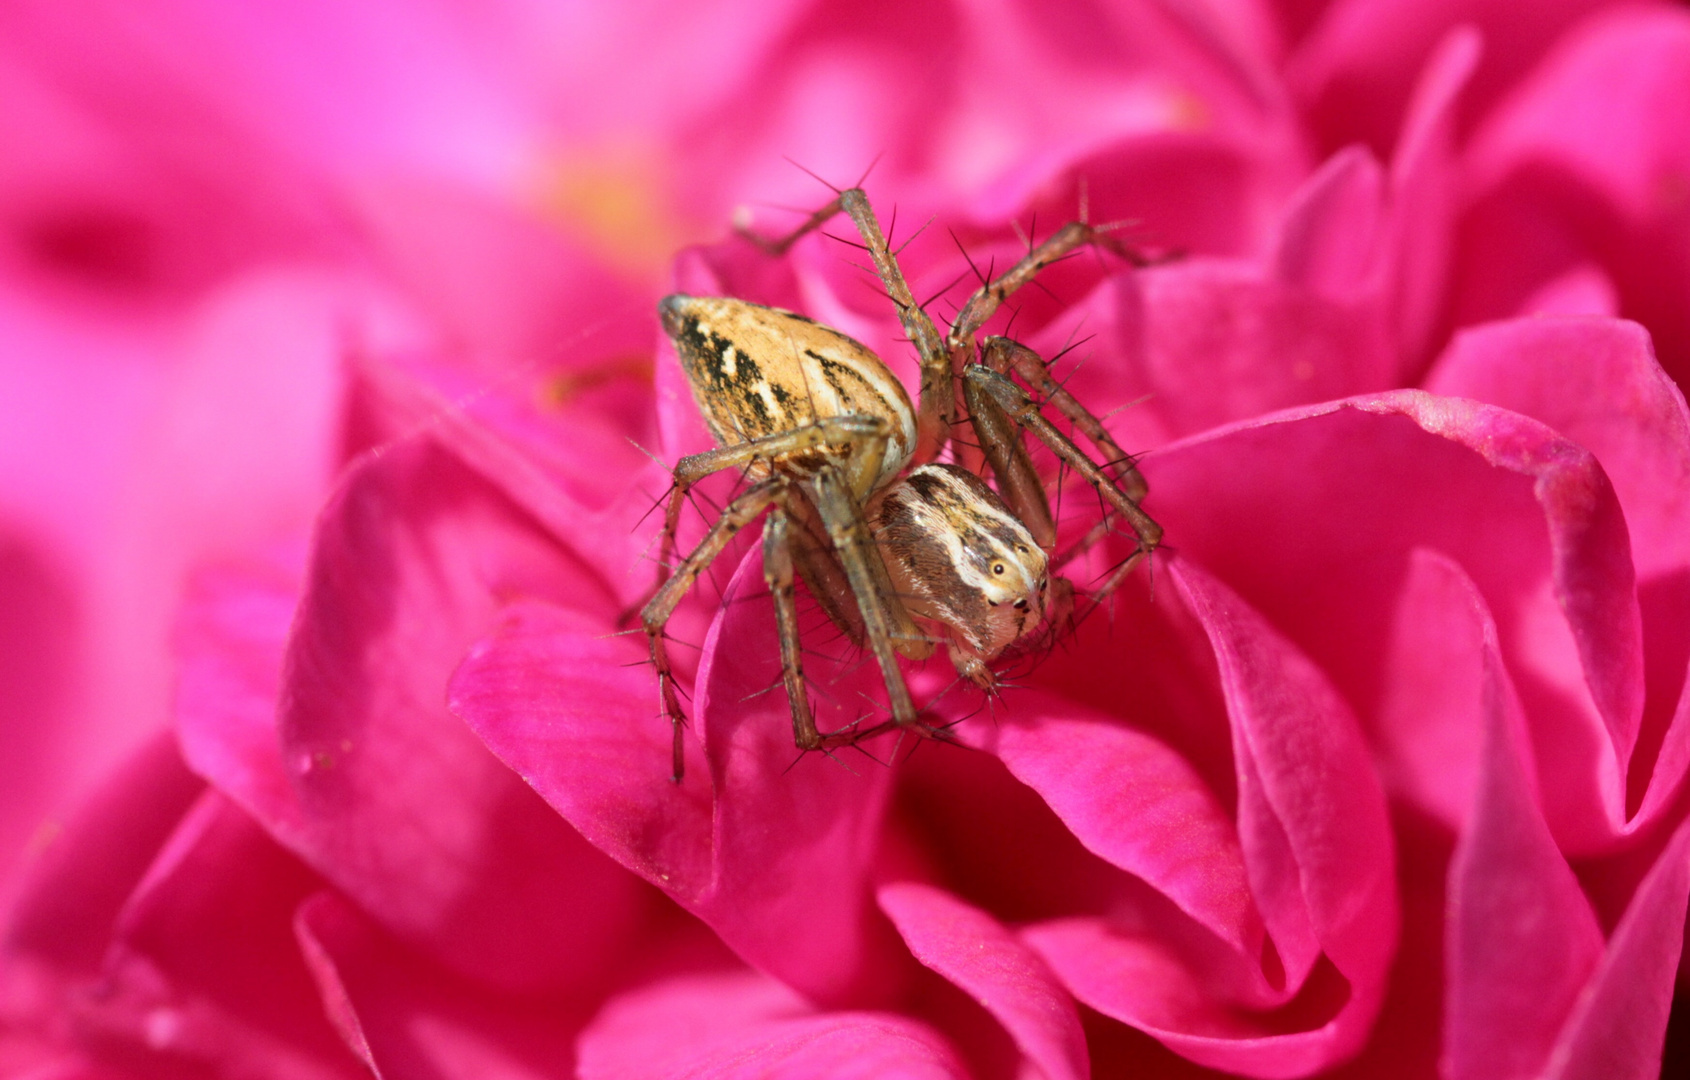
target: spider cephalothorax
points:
(902, 552)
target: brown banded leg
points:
(987, 298)
(777, 572)
(887, 626)
(1018, 482)
(1003, 355)
(1024, 411)
(868, 432)
(739, 513)
(937, 408)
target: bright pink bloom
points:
(1385, 777)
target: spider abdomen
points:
(757, 371)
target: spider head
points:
(958, 556)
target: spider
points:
(902, 551)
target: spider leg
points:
(1021, 408)
(742, 511)
(780, 245)
(987, 298)
(778, 573)
(999, 439)
(887, 626)
(695, 467)
(1003, 355)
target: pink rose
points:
(1383, 775)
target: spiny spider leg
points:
(886, 624)
(739, 513)
(938, 394)
(695, 467)
(1003, 355)
(777, 573)
(1025, 411)
(999, 440)
(986, 299)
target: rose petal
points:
(1585, 162)
(1358, 64)
(742, 1025)
(1318, 852)
(1428, 726)
(214, 910)
(1522, 938)
(490, 879)
(1311, 514)
(1596, 381)
(1311, 814)
(1424, 195)
(1223, 344)
(1617, 1027)
(975, 951)
(1329, 235)
(1132, 800)
(406, 1017)
(69, 897)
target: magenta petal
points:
(1330, 235)
(1311, 812)
(1136, 803)
(1587, 161)
(771, 854)
(1429, 725)
(1224, 344)
(1521, 936)
(974, 951)
(1617, 1027)
(206, 972)
(67, 899)
(410, 562)
(795, 837)
(1356, 67)
(1311, 515)
(1424, 194)
(741, 1026)
(406, 1017)
(1596, 381)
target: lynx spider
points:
(924, 552)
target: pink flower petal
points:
(67, 900)
(213, 911)
(1330, 233)
(406, 1017)
(1311, 813)
(772, 854)
(974, 951)
(739, 1025)
(1321, 546)
(1522, 937)
(1587, 161)
(1318, 852)
(408, 567)
(1133, 801)
(1223, 344)
(1620, 1020)
(1596, 381)
(1424, 193)
(1358, 64)
(1428, 727)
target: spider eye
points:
(1022, 548)
(997, 568)
(1020, 605)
